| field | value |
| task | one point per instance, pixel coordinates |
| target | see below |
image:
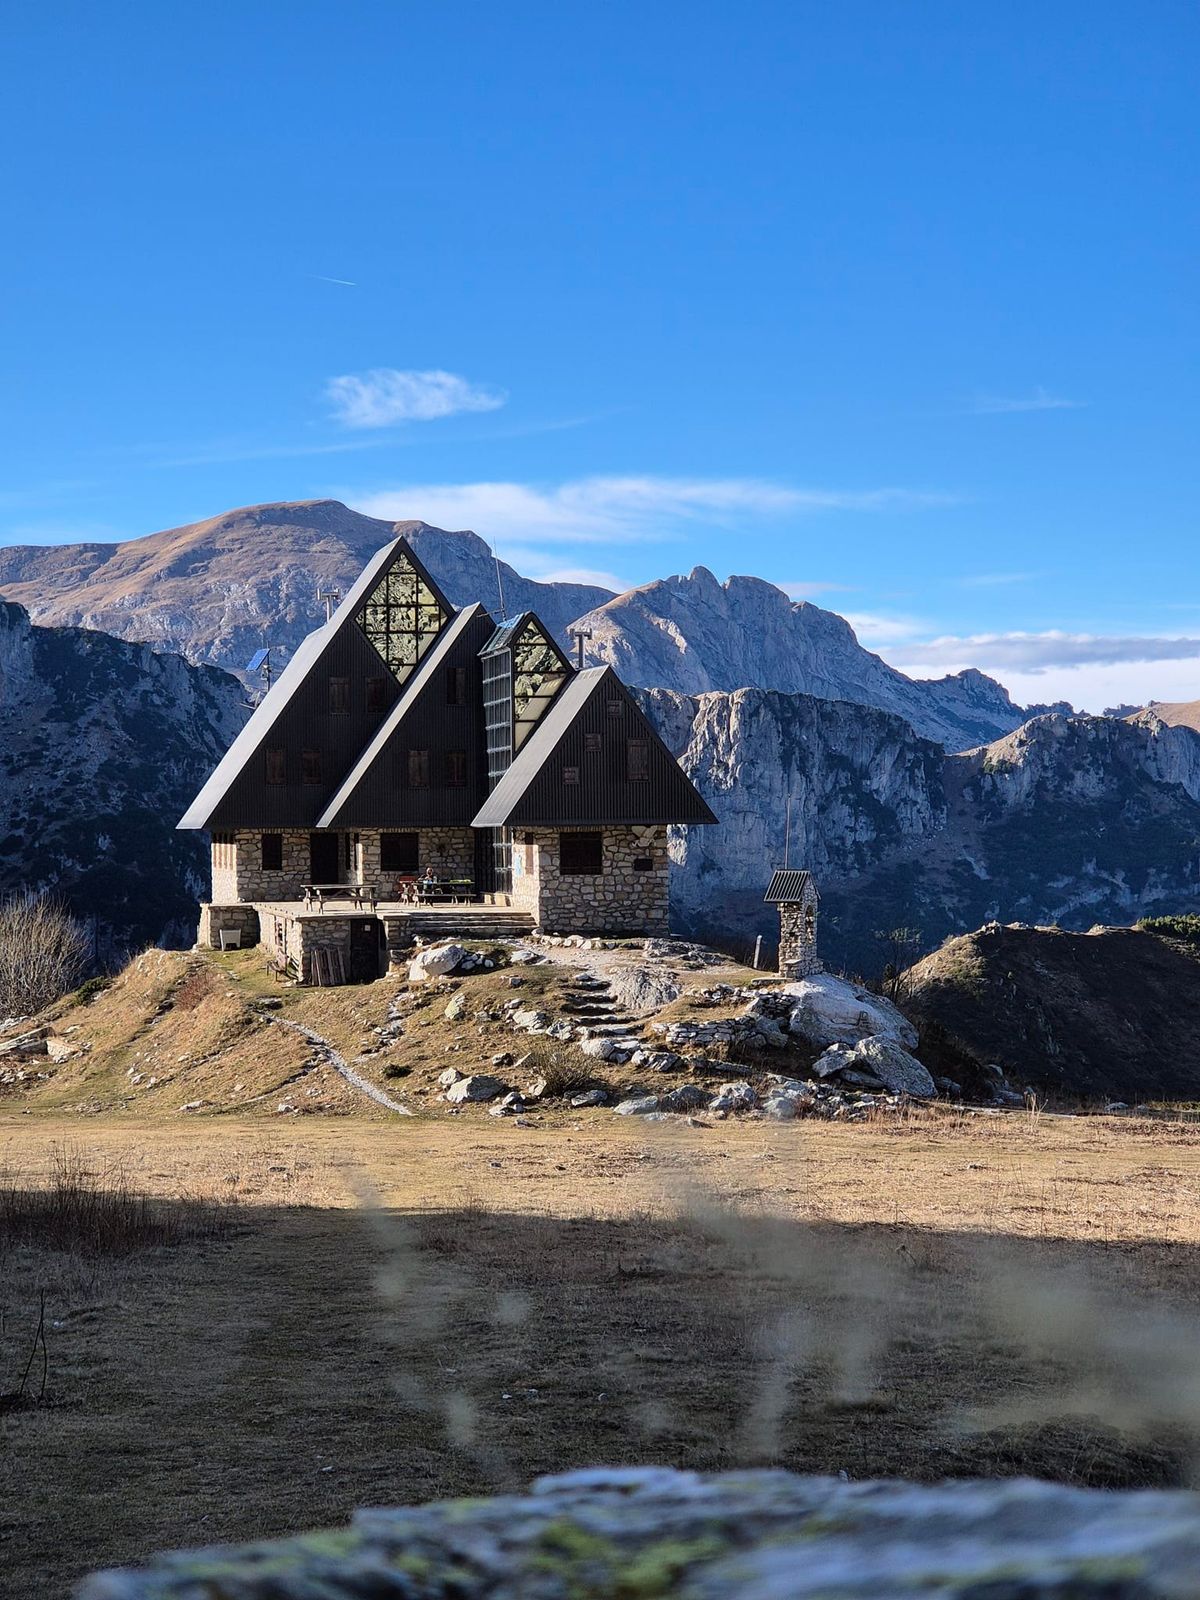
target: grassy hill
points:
(1111, 1013)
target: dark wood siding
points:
(306, 723)
(384, 798)
(604, 792)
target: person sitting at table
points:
(429, 879)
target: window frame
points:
(311, 768)
(637, 770)
(418, 769)
(456, 686)
(275, 852)
(275, 766)
(412, 861)
(375, 694)
(576, 861)
(339, 695)
(455, 766)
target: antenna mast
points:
(499, 582)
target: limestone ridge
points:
(694, 634)
(217, 590)
(1074, 820)
(101, 743)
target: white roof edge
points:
(558, 717)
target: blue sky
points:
(892, 304)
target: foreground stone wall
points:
(232, 919)
(612, 1534)
(623, 898)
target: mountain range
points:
(215, 591)
(938, 805)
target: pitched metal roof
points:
(424, 670)
(528, 793)
(275, 702)
(788, 886)
(506, 632)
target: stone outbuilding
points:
(795, 895)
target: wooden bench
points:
(363, 896)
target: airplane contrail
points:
(321, 278)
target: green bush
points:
(1185, 926)
(88, 991)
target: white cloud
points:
(617, 509)
(386, 395)
(1041, 652)
(877, 629)
(1090, 670)
(992, 405)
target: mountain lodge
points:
(417, 769)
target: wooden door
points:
(364, 949)
(324, 856)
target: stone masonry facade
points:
(798, 937)
(629, 894)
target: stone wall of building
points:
(215, 919)
(240, 875)
(449, 851)
(798, 938)
(625, 897)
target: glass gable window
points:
(402, 617)
(538, 674)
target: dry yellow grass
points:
(410, 1309)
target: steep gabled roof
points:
(532, 790)
(287, 686)
(787, 886)
(425, 671)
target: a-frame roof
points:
(532, 791)
(279, 698)
(426, 670)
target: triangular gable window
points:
(538, 673)
(402, 616)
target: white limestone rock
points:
(435, 962)
(828, 1010)
(878, 1057)
(477, 1087)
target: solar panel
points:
(256, 660)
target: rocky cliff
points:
(694, 634)
(102, 744)
(217, 590)
(1074, 820)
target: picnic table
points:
(429, 892)
(364, 896)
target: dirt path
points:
(340, 1065)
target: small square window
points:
(580, 854)
(339, 696)
(643, 863)
(310, 766)
(376, 694)
(399, 852)
(571, 776)
(272, 852)
(418, 769)
(593, 743)
(616, 708)
(276, 766)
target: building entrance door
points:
(364, 949)
(324, 858)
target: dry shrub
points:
(43, 953)
(565, 1071)
(89, 1213)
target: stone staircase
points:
(589, 1004)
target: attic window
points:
(615, 708)
(418, 769)
(276, 766)
(310, 766)
(402, 617)
(637, 760)
(456, 686)
(571, 776)
(376, 694)
(456, 769)
(339, 695)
